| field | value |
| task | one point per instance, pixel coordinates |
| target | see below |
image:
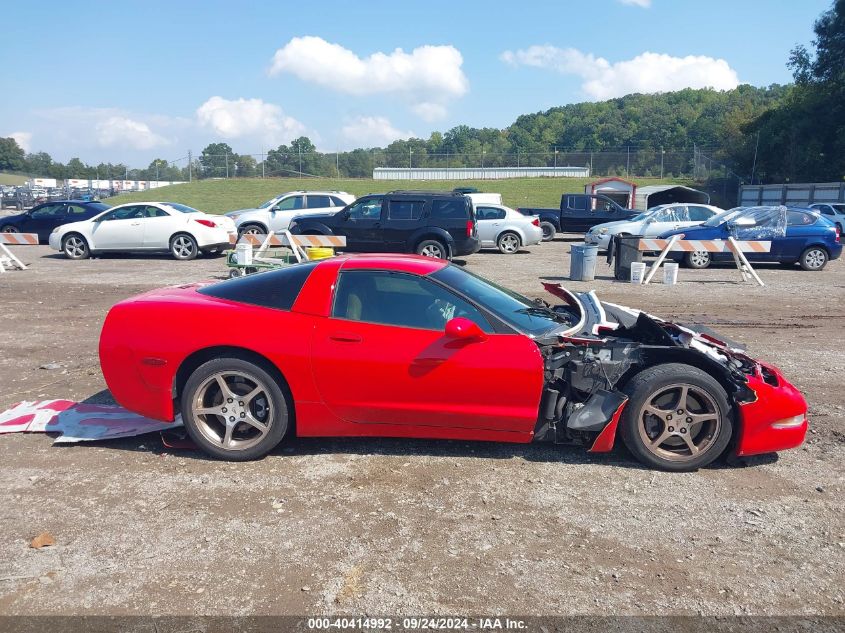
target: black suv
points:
(428, 223)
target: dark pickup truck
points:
(578, 213)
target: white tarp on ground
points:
(78, 421)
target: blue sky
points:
(130, 82)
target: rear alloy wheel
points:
(814, 258)
(548, 231)
(10, 229)
(253, 229)
(678, 417)
(433, 248)
(508, 243)
(697, 259)
(234, 409)
(74, 246)
(183, 246)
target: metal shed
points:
(652, 195)
(619, 190)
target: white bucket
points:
(637, 272)
(670, 274)
(243, 254)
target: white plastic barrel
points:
(243, 254)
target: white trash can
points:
(670, 273)
(637, 272)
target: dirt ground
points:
(409, 527)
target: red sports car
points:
(407, 346)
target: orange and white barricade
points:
(297, 243)
(737, 248)
(7, 258)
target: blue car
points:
(798, 236)
(46, 217)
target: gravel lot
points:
(409, 527)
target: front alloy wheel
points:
(698, 259)
(814, 258)
(75, 247)
(432, 248)
(677, 418)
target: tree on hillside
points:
(216, 159)
(11, 155)
(38, 164)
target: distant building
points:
(619, 190)
(477, 173)
(798, 194)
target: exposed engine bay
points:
(588, 364)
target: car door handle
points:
(429, 362)
(135, 224)
(346, 337)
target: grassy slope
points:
(13, 179)
(218, 196)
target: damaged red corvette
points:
(407, 346)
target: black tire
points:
(433, 248)
(660, 388)
(251, 229)
(698, 260)
(813, 258)
(74, 246)
(508, 242)
(209, 431)
(184, 247)
(549, 231)
(10, 228)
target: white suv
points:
(276, 213)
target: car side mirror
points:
(463, 329)
(745, 221)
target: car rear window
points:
(450, 208)
(276, 289)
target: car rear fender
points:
(430, 233)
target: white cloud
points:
(372, 131)
(428, 77)
(645, 4)
(123, 131)
(647, 72)
(241, 118)
(23, 139)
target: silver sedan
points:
(506, 229)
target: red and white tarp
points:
(78, 421)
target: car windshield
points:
(182, 208)
(724, 216)
(268, 204)
(520, 312)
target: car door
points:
(44, 219)
(122, 229)
(801, 229)
(577, 215)
(360, 223)
(159, 226)
(490, 220)
(382, 357)
(401, 219)
(285, 210)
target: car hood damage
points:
(588, 364)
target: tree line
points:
(761, 134)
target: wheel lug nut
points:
(229, 400)
(232, 419)
(683, 430)
(668, 417)
(223, 409)
(689, 420)
(680, 411)
(671, 429)
(241, 403)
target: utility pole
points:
(337, 163)
(628, 164)
(263, 160)
(591, 162)
(227, 164)
(662, 152)
(189, 166)
(299, 147)
(754, 164)
(517, 158)
(410, 151)
(555, 158)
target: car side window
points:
(405, 209)
(318, 202)
(452, 209)
(127, 213)
(401, 300)
(155, 212)
(337, 201)
(290, 204)
(826, 210)
(48, 211)
(490, 213)
(699, 214)
(799, 218)
(369, 209)
(75, 209)
(577, 204)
